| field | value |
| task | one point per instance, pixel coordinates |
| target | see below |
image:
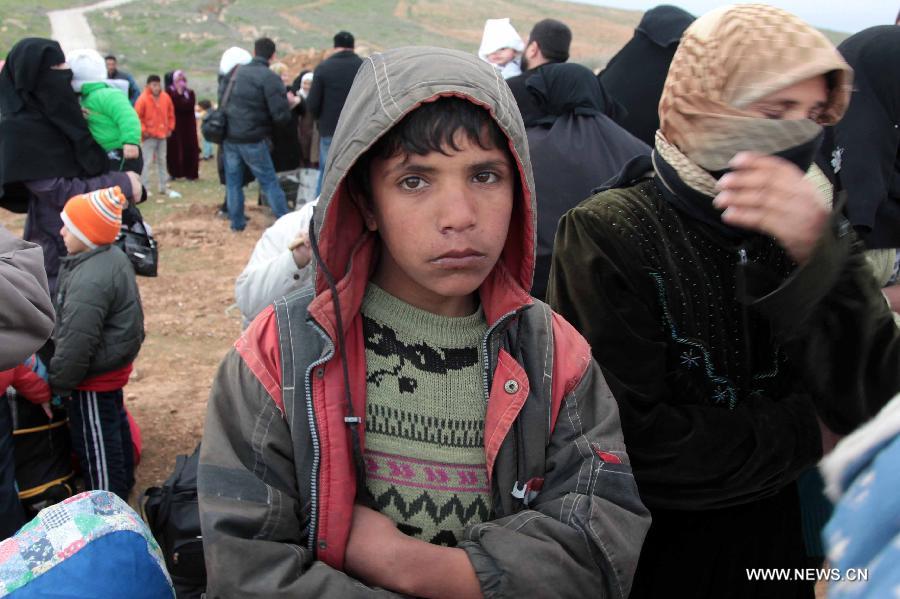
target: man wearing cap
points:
(331, 84)
(548, 43)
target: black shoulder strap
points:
(228, 89)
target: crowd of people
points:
(528, 331)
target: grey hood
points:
(387, 87)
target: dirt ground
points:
(189, 316)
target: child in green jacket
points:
(111, 118)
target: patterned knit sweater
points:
(425, 408)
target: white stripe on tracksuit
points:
(102, 480)
(84, 435)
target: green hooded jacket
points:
(110, 116)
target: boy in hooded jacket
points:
(415, 423)
(99, 332)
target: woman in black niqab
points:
(43, 133)
(574, 148)
(634, 77)
(47, 153)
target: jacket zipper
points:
(487, 361)
(314, 477)
(487, 392)
(745, 324)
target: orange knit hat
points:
(96, 217)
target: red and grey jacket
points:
(277, 478)
(26, 382)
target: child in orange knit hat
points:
(99, 331)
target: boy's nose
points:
(457, 211)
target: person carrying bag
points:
(215, 125)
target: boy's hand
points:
(770, 195)
(130, 151)
(301, 251)
(46, 407)
(380, 555)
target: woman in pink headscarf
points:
(183, 150)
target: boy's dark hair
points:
(204, 104)
(152, 78)
(264, 48)
(553, 38)
(111, 57)
(344, 39)
(431, 128)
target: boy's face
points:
(502, 56)
(443, 221)
(110, 67)
(73, 244)
(155, 88)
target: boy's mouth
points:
(459, 259)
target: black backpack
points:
(174, 518)
(43, 454)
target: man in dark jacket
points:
(331, 84)
(113, 72)
(548, 43)
(257, 102)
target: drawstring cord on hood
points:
(351, 419)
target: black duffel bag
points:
(173, 514)
(215, 126)
(138, 244)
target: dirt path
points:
(71, 29)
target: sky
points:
(848, 16)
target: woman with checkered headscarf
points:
(728, 304)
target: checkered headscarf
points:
(728, 59)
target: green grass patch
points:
(26, 19)
(155, 36)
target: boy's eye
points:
(486, 177)
(412, 183)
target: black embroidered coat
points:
(721, 355)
